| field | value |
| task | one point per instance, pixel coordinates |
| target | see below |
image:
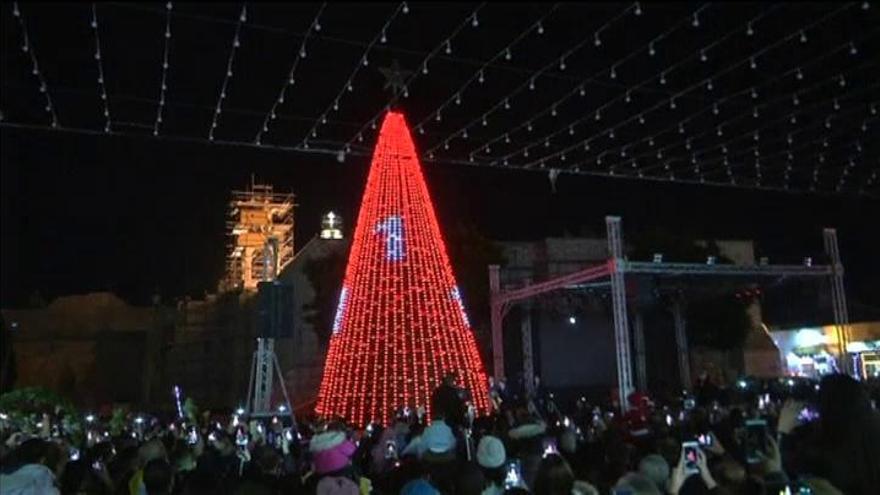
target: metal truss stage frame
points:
(615, 269)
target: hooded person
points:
(491, 456)
(331, 453)
(529, 448)
(32, 476)
(436, 449)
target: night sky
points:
(138, 215)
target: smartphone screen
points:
(756, 439)
(705, 439)
(390, 450)
(690, 450)
(513, 474)
(550, 447)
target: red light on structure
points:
(400, 325)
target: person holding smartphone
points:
(688, 467)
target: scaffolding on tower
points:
(260, 226)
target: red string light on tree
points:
(400, 324)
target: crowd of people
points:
(753, 437)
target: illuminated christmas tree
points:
(400, 324)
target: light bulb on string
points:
(485, 122)
(507, 54)
(365, 61)
(799, 74)
(458, 98)
(540, 28)
(613, 72)
(598, 115)
(852, 48)
(582, 91)
(425, 68)
(755, 112)
(628, 97)
(553, 111)
(481, 78)
(703, 56)
(638, 9)
(793, 119)
(596, 40)
(506, 104)
(696, 20)
(611, 133)
(803, 36)
(474, 21)
(571, 130)
(651, 50)
(448, 48)
(752, 63)
(405, 8)
(383, 39)
(709, 85)
(672, 105)
(529, 126)
(243, 16)
(680, 128)
(547, 143)
(317, 25)
(532, 84)
(302, 52)
(464, 134)
(507, 139)
(562, 63)
(795, 100)
(836, 105)
(586, 145)
(641, 119)
(841, 81)
(663, 77)
(754, 93)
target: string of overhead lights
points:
(236, 42)
(718, 128)
(301, 54)
(35, 66)
(667, 102)
(445, 46)
(531, 83)
(580, 89)
(505, 53)
(381, 37)
(100, 63)
(164, 85)
(727, 150)
(833, 102)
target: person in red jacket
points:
(638, 417)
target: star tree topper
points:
(395, 77)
